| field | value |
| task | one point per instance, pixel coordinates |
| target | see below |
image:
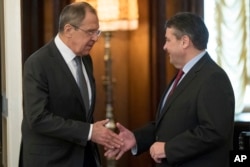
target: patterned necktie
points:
(177, 79)
(81, 82)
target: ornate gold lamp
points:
(114, 15)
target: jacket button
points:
(156, 138)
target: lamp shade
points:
(116, 15)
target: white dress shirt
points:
(68, 55)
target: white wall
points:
(12, 82)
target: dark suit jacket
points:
(55, 126)
(196, 122)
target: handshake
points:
(115, 145)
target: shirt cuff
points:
(90, 131)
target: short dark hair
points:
(192, 25)
(74, 13)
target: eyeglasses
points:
(89, 32)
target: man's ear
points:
(186, 41)
(68, 30)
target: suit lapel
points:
(183, 84)
(66, 71)
(160, 107)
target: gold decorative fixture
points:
(114, 15)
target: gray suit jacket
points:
(55, 126)
(196, 122)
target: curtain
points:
(229, 35)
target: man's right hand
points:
(128, 140)
(104, 136)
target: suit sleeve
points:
(145, 137)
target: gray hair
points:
(74, 13)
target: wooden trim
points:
(157, 19)
(32, 26)
(58, 5)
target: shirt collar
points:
(66, 52)
(192, 62)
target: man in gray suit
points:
(58, 129)
(194, 122)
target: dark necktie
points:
(177, 79)
(81, 82)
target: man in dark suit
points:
(194, 122)
(57, 127)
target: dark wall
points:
(33, 21)
(32, 26)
